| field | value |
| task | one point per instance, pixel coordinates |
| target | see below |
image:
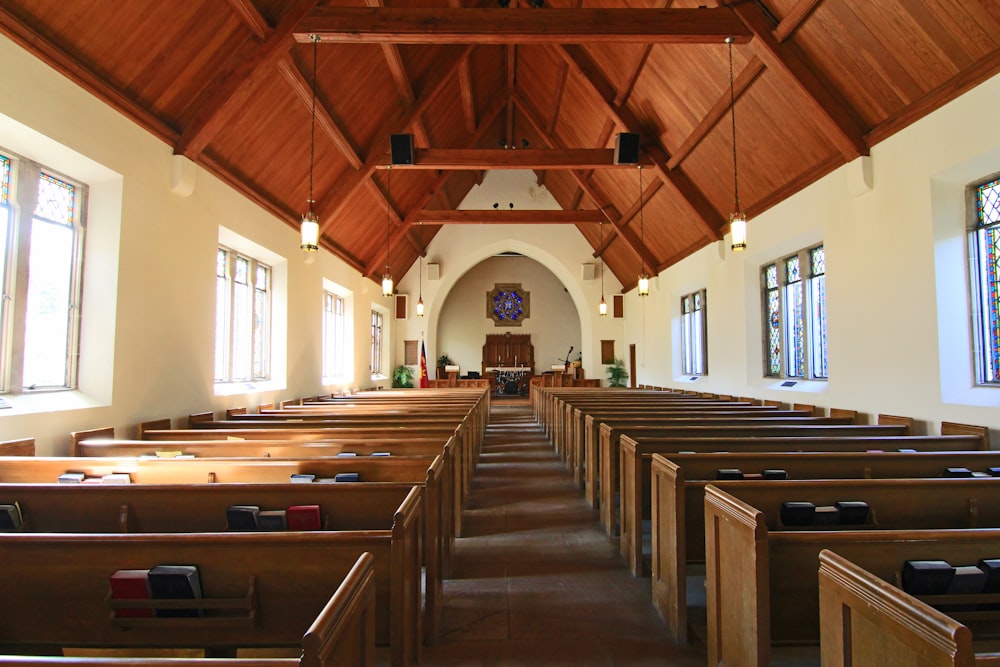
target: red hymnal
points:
(131, 585)
(303, 517)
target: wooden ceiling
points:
(229, 85)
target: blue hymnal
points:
(346, 477)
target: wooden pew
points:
(425, 472)
(868, 621)
(22, 447)
(275, 584)
(634, 482)
(761, 584)
(751, 428)
(316, 447)
(678, 502)
(384, 519)
(341, 635)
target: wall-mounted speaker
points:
(627, 148)
(588, 271)
(433, 271)
(401, 148)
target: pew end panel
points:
(954, 428)
(669, 567)
(736, 554)
(867, 621)
(344, 632)
(76, 437)
(20, 447)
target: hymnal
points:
(343, 454)
(131, 585)
(797, 513)
(10, 517)
(775, 473)
(71, 478)
(116, 478)
(346, 477)
(728, 473)
(302, 478)
(272, 520)
(303, 517)
(957, 472)
(175, 582)
(381, 453)
(826, 515)
(853, 512)
(927, 577)
(242, 517)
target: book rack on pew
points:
(245, 611)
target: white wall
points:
(898, 312)
(149, 303)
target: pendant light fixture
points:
(602, 308)
(643, 284)
(387, 276)
(420, 279)
(310, 223)
(737, 219)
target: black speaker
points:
(627, 148)
(401, 147)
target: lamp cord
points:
(312, 133)
(388, 203)
(732, 114)
(642, 229)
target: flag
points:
(424, 380)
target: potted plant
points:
(443, 360)
(617, 373)
(402, 377)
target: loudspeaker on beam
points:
(401, 148)
(627, 148)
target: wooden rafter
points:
(468, 101)
(508, 217)
(599, 197)
(349, 185)
(795, 17)
(706, 216)
(357, 25)
(846, 127)
(474, 159)
(220, 102)
(718, 111)
(251, 17)
(438, 184)
(326, 122)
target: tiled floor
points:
(535, 580)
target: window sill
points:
(236, 388)
(49, 401)
(379, 377)
(689, 378)
(793, 385)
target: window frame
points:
(809, 325)
(334, 336)
(15, 276)
(377, 343)
(694, 339)
(252, 290)
(985, 315)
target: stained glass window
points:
(794, 302)
(507, 305)
(376, 349)
(693, 340)
(4, 180)
(984, 245)
(243, 318)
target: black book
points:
(242, 517)
(175, 582)
(10, 517)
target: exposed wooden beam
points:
(827, 104)
(795, 17)
(561, 78)
(508, 217)
(326, 122)
(438, 184)
(502, 26)
(228, 96)
(67, 64)
(474, 159)
(600, 198)
(718, 111)
(710, 220)
(465, 90)
(252, 17)
(400, 122)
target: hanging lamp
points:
(310, 223)
(643, 284)
(387, 276)
(737, 219)
(420, 279)
(602, 308)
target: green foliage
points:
(444, 360)
(402, 377)
(617, 373)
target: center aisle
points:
(535, 580)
